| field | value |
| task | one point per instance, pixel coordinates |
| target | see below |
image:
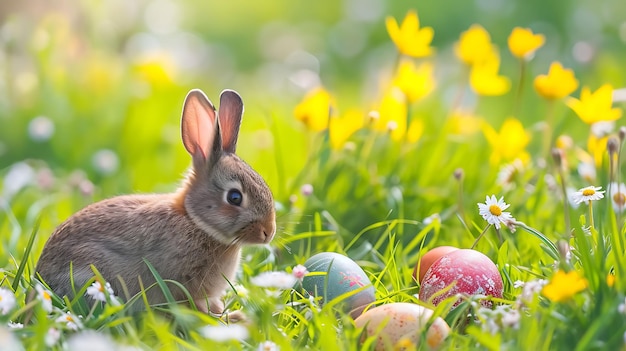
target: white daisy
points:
(13, 325)
(52, 337)
(7, 301)
(45, 297)
(602, 128)
(70, 321)
(225, 332)
(90, 340)
(590, 193)
(299, 272)
(508, 173)
(96, 291)
(618, 196)
(280, 280)
(493, 211)
(268, 346)
(587, 171)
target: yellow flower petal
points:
(595, 107)
(564, 285)
(341, 128)
(315, 109)
(509, 143)
(474, 45)
(484, 78)
(557, 84)
(415, 131)
(523, 43)
(392, 113)
(463, 124)
(415, 82)
(409, 38)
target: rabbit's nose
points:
(268, 232)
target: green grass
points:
(380, 201)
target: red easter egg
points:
(428, 259)
(468, 271)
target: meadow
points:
(380, 127)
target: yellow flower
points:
(415, 82)
(461, 123)
(523, 43)
(474, 45)
(510, 143)
(341, 128)
(315, 109)
(597, 147)
(595, 107)
(610, 280)
(484, 78)
(410, 39)
(415, 131)
(392, 113)
(557, 84)
(564, 285)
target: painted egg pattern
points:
(468, 271)
(403, 326)
(343, 276)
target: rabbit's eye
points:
(234, 197)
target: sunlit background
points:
(91, 91)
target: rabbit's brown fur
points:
(193, 236)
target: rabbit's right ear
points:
(198, 125)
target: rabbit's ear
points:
(230, 114)
(198, 125)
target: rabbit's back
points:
(117, 234)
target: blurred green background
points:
(91, 91)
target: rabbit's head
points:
(224, 196)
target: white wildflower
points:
(70, 321)
(622, 307)
(306, 190)
(518, 284)
(7, 301)
(432, 218)
(531, 289)
(587, 171)
(90, 340)
(13, 325)
(8, 341)
(618, 196)
(97, 291)
(52, 337)
(602, 128)
(587, 194)
(280, 280)
(225, 332)
(493, 211)
(45, 297)
(105, 161)
(40, 128)
(268, 346)
(299, 272)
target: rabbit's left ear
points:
(229, 117)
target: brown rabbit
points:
(193, 236)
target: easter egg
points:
(467, 272)
(428, 259)
(403, 326)
(340, 275)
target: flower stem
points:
(565, 203)
(547, 133)
(591, 214)
(480, 236)
(520, 87)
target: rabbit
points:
(193, 236)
